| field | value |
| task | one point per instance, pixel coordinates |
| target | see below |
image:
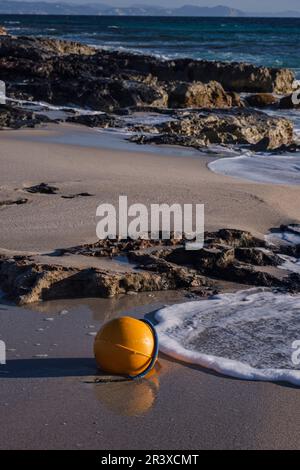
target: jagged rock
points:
(110, 247)
(261, 100)
(228, 255)
(205, 259)
(63, 73)
(235, 238)
(35, 48)
(246, 274)
(232, 76)
(257, 257)
(26, 282)
(106, 94)
(3, 31)
(96, 120)
(14, 118)
(239, 127)
(199, 95)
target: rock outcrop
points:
(36, 48)
(14, 118)
(3, 31)
(103, 121)
(239, 127)
(72, 74)
(232, 76)
(228, 255)
(27, 282)
(200, 95)
(62, 72)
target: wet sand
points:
(53, 402)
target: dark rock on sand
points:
(73, 196)
(42, 188)
(12, 202)
(14, 118)
(96, 120)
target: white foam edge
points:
(228, 367)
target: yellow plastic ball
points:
(124, 346)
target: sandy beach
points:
(48, 395)
(145, 174)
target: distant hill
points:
(102, 9)
(192, 10)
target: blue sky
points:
(247, 5)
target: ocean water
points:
(288, 236)
(261, 168)
(264, 41)
(251, 334)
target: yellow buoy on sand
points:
(126, 346)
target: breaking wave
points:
(249, 334)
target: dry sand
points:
(52, 402)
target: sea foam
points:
(249, 334)
(261, 168)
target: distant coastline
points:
(92, 9)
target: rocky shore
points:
(228, 255)
(220, 97)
